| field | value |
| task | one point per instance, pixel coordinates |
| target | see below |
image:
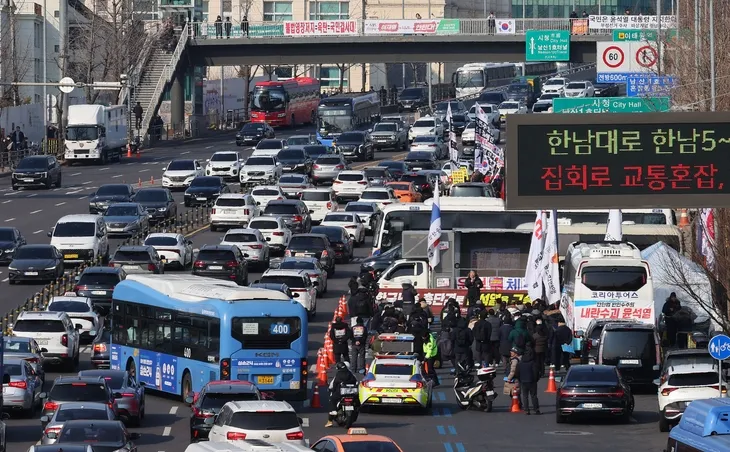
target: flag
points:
(533, 275)
(707, 237)
(549, 262)
(434, 231)
(453, 147)
(614, 229)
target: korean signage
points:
(634, 35)
(320, 28)
(649, 86)
(617, 61)
(613, 305)
(254, 31)
(547, 45)
(579, 26)
(436, 298)
(610, 105)
(412, 27)
(646, 160)
(158, 371)
(606, 22)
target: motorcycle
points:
(479, 394)
(348, 406)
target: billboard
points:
(636, 160)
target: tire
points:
(187, 203)
(559, 418)
(186, 388)
(15, 187)
(349, 419)
(213, 228)
(58, 183)
(663, 423)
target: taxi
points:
(405, 191)
(396, 380)
(356, 440)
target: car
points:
(126, 219)
(469, 136)
(683, 384)
(109, 194)
(405, 191)
(233, 209)
(317, 274)
(303, 289)
(327, 167)
(442, 108)
(511, 107)
(301, 140)
(396, 167)
(138, 259)
(224, 164)
(382, 196)
(378, 176)
(222, 262)
(542, 107)
(404, 380)
(179, 173)
(354, 225)
(131, 404)
(270, 147)
(253, 133)
(10, 240)
(72, 411)
(275, 231)
(381, 261)
(295, 160)
(211, 398)
(313, 245)
(293, 184)
(355, 145)
(98, 284)
(389, 135)
(263, 169)
(459, 122)
(205, 190)
(262, 195)
(432, 144)
(549, 97)
(367, 211)
(356, 439)
(421, 182)
(278, 287)
(27, 349)
(491, 97)
(679, 357)
(37, 171)
(294, 213)
(592, 338)
(100, 349)
(605, 89)
(81, 238)
(78, 389)
(472, 190)
(421, 160)
(81, 311)
(104, 435)
(315, 151)
(158, 202)
(320, 202)
(22, 392)
(350, 184)
(35, 263)
(593, 390)
(340, 240)
(440, 178)
(411, 99)
(426, 126)
(634, 348)
(274, 422)
(555, 85)
(174, 249)
(579, 89)
(490, 110)
(252, 244)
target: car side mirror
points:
(415, 283)
(315, 284)
(246, 255)
(209, 421)
(45, 419)
(301, 421)
(42, 395)
(78, 326)
(657, 382)
(295, 295)
(134, 436)
(257, 281)
(44, 350)
(268, 239)
(258, 203)
(189, 400)
(311, 211)
(50, 233)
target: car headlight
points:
(9, 250)
(12, 268)
(189, 178)
(162, 209)
(50, 268)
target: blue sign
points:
(649, 86)
(114, 354)
(719, 347)
(167, 370)
(147, 365)
(266, 363)
(279, 328)
(616, 77)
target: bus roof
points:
(353, 98)
(291, 83)
(197, 288)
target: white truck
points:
(96, 132)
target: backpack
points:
(520, 341)
(361, 305)
(482, 335)
(445, 345)
(462, 338)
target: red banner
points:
(436, 298)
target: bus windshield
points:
(268, 99)
(334, 120)
(470, 79)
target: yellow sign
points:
(70, 256)
(266, 379)
(459, 176)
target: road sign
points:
(639, 58)
(634, 35)
(610, 105)
(719, 347)
(547, 45)
(66, 85)
(649, 86)
(646, 56)
(613, 57)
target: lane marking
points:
(144, 170)
(166, 431)
(76, 174)
(305, 422)
(11, 193)
(186, 152)
(9, 200)
(173, 410)
(86, 183)
(103, 169)
(82, 197)
(36, 211)
(441, 429)
(441, 396)
(38, 231)
(60, 204)
(73, 192)
(452, 429)
(32, 195)
(118, 175)
(6, 279)
(209, 147)
(9, 220)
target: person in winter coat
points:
(430, 351)
(352, 284)
(475, 309)
(402, 324)
(563, 336)
(462, 339)
(340, 333)
(358, 346)
(496, 324)
(409, 295)
(505, 344)
(513, 364)
(427, 310)
(450, 316)
(482, 333)
(528, 377)
(520, 337)
(342, 377)
(540, 337)
(360, 305)
(473, 284)
(504, 313)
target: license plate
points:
(629, 361)
(349, 408)
(70, 256)
(201, 199)
(592, 406)
(216, 267)
(27, 180)
(391, 400)
(31, 273)
(40, 342)
(490, 393)
(98, 292)
(350, 189)
(229, 211)
(265, 379)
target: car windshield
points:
(400, 370)
(297, 265)
(265, 192)
(678, 360)
(39, 326)
(292, 154)
(216, 255)
(298, 141)
(15, 346)
(81, 414)
(7, 235)
(375, 195)
(131, 256)
(334, 234)
(252, 128)
(417, 179)
(305, 242)
(90, 433)
(260, 161)
(33, 163)
(339, 218)
(264, 225)
(151, 196)
(181, 165)
(13, 369)
(316, 196)
(411, 92)
(458, 118)
(281, 209)
(268, 98)
(471, 125)
(576, 85)
(540, 107)
(161, 241)
(230, 202)
(253, 420)
(362, 208)
(351, 137)
(444, 106)
(369, 446)
(315, 150)
(404, 187)
(113, 190)
(423, 123)
(425, 139)
(329, 161)
(619, 343)
(375, 172)
(69, 306)
(385, 127)
(73, 229)
(693, 379)
(594, 374)
(34, 252)
(419, 156)
(468, 191)
(614, 278)
(293, 282)
(98, 279)
(549, 96)
(395, 166)
(494, 98)
(292, 179)
(215, 401)
(224, 157)
(509, 106)
(121, 211)
(237, 237)
(555, 82)
(269, 144)
(351, 177)
(206, 182)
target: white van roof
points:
(78, 218)
(254, 445)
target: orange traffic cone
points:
(551, 388)
(315, 398)
(129, 151)
(322, 369)
(343, 305)
(683, 218)
(515, 402)
(330, 353)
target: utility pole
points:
(659, 36)
(364, 65)
(403, 65)
(46, 107)
(63, 57)
(713, 78)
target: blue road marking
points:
(446, 412)
(448, 447)
(452, 429)
(442, 396)
(460, 447)
(441, 429)
(435, 412)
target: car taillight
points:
(287, 253)
(128, 394)
(50, 406)
(419, 385)
(236, 436)
(111, 264)
(278, 234)
(151, 267)
(340, 167)
(50, 430)
(336, 182)
(231, 264)
(256, 247)
(199, 264)
(619, 393)
(563, 393)
(385, 203)
(279, 198)
(298, 218)
(246, 212)
(296, 435)
(716, 387)
(589, 344)
(315, 166)
(200, 414)
(225, 369)
(18, 384)
(77, 288)
(312, 275)
(363, 182)
(667, 391)
(329, 205)
(64, 340)
(351, 226)
(99, 348)
(110, 405)
(213, 211)
(325, 253)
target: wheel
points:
(213, 228)
(559, 418)
(663, 423)
(187, 203)
(12, 282)
(15, 187)
(187, 386)
(488, 409)
(58, 183)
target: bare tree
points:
(16, 59)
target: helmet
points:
(341, 366)
(407, 282)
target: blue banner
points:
(649, 86)
(266, 363)
(168, 369)
(114, 354)
(616, 77)
(147, 366)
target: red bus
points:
(285, 103)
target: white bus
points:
(472, 78)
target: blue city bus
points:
(178, 332)
(704, 427)
(345, 112)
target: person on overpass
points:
(343, 377)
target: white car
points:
(262, 195)
(320, 202)
(542, 106)
(263, 169)
(174, 249)
(272, 421)
(579, 89)
(269, 147)
(225, 164)
(685, 383)
(54, 332)
(252, 243)
(469, 136)
(299, 282)
(233, 209)
(491, 111)
(511, 107)
(312, 266)
(180, 172)
(275, 231)
(350, 184)
(369, 212)
(426, 126)
(353, 224)
(548, 97)
(382, 196)
(430, 144)
(81, 311)
(555, 85)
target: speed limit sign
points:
(611, 56)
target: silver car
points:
(309, 264)
(22, 392)
(293, 184)
(25, 348)
(327, 167)
(72, 411)
(131, 404)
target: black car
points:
(492, 97)
(340, 240)
(634, 349)
(293, 211)
(295, 160)
(253, 132)
(472, 190)
(98, 284)
(411, 99)
(421, 160)
(100, 349)
(37, 171)
(222, 262)
(209, 401)
(314, 151)
(381, 261)
(205, 190)
(590, 390)
(421, 182)
(313, 245)
(396, 167)
(592, 338)
(605, 89)
(459, 123)
(104, 436)
(355, 145)
(10, 240)
(158, 202)
(35, 263)
(109, 194)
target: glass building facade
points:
(540, 9)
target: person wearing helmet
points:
(342, 377)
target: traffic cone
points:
(315, 398)
(551, 388)
(129, 151)
(322, 369)
(515, 402)
(330, 353)
(343, 304)
(683, 218)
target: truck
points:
(95, 133)
(526, 88)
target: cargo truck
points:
(95, 133)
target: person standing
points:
(483, 340)
(473, 284)
(563, 336)
(430, 350)
(218, 27)
(408, 298)
(462, 338)
(504, 343)
(528, 378)
(18, 139)
(138, 116)
(540, 337)
(496, 324)
(358, 346)
(671, 307)
(244, 26)
(340, 333)
(492, 21)
(228, 26)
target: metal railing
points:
(9, 158)
(135, 74)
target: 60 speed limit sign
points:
(613, 57)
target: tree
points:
(15, 55)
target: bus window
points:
(614, 278)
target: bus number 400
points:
(279, 328)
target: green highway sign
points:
(547, 45)
(634, 35)
(610, 104)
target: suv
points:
(208, 402)
(683, 384)
(472, 190)
(98, 284)
(10, 240)
(412, 99)
(634, 348)
(158, 202)
(295, 160)
(138, 259)
(37, 171)
(350, 184)
(275, 422)
(320, 202)
(79, 389)
(313, 245)
(233, 209)
(269, 147)
(54, 332)
(355, 145)
(391, 135)
(592, 338)
(222, 262)
(224, 164)
(294, 213)
(81, 238)
(262, 169)
(109, 194)
(180, 172)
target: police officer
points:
(342, 377)
(358, 346)
(430, 350)
(340, 333)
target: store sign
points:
(436, 298)
(320, 28)
(609, 22)
(576, 161)
(412, 27)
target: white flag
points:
(614, 230)
(550, 268)
(533, 273)
(434, 231)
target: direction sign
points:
(610, 105)
(648, 85)
(719, 347)
(634, 35)
(547, 45)
(66, 85)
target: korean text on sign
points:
(320, 27)
(617, 313)
(609, 22)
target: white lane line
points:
(185, 152)
(103, 169)
(144, 170)
(9, 200)
(167, 431)
(173, 410)
(6, 279)
(9, 220)
(209, 147)
(36, 211)
(118, 175)
(32, 195)
(230, 142)
(73, 192)
(11, 193)
(83, 197)
(86, 183)
(182, 203)
(305, 422)
(76, 174)
(38, 231)
(60, 204)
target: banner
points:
(254, 30)
(534, 270)
(320, 28)
(453, 146)
(606, 22)
(505, 26)
(550, 261)
(487, 151)
(412, 27)
(578, 26)
(612, 305)
(436, 298)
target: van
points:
(254, 445)
(634, 348)
(81, 238)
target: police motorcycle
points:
(348, 406)
(479, 394)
